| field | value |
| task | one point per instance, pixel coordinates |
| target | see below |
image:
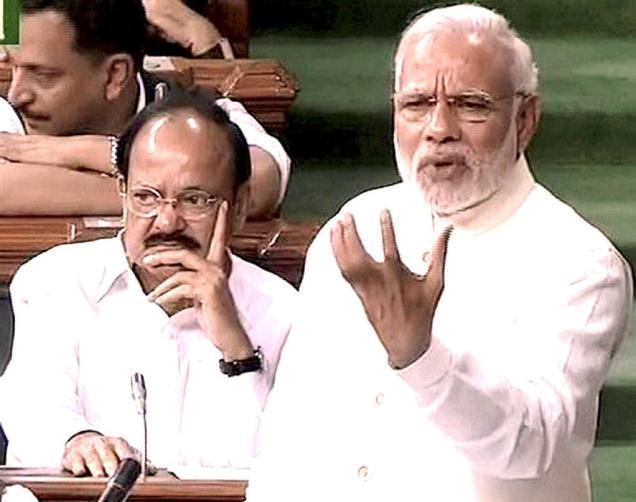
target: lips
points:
(443, 166)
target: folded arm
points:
(35, 189)
(181, 24)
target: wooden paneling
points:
(264, 86)
(52, 485)
(275, 245)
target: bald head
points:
(188, 118)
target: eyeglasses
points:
(468, 107)
(189, 204)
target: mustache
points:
(172, 238)
(28, 115)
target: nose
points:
(443, 125)
(168, 219)
(19, 93)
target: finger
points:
(218, 243)
(170, 283)
(352, 241)
(92, 460)
(337, 245)
(389, 243)
(174, 295)
(435, 275)
(107, 456)
(184, 257)
(352, 258)
(72, 461)
(123, 449)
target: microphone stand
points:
(138, 387)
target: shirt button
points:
(363, 472)
(379, 398)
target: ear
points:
(528, 117)
(240, 206)
(119, 72)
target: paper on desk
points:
(209, 473)
(158, 63)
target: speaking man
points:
(452, 368)
(165, 298)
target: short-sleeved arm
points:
(257, 136)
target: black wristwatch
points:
(240, 366)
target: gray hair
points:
(471, 18)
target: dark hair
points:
(102, 27)
(204, 105)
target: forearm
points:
(88, 152)
(511, 414)
(30, 189)
(182, 24)
(264, 185)
(84, 152)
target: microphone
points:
(120, 484)
(138, 387)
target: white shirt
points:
(83, 326)
(503, 405)
(254, 133)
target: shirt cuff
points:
(426, 373)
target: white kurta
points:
(501, 408)
(83, 326)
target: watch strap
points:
(240, 366)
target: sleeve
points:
(545, 399)
(9, 119)
(257, 136)
(40, 408)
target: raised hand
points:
(203, 283)
(399, 304)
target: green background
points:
(11, 8)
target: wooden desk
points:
(264, 86)
(52, 485)
(275, 245)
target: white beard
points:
(485, 175)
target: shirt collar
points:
(115, 265)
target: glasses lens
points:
(195, 203)
(472, 108)
(144, 201)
